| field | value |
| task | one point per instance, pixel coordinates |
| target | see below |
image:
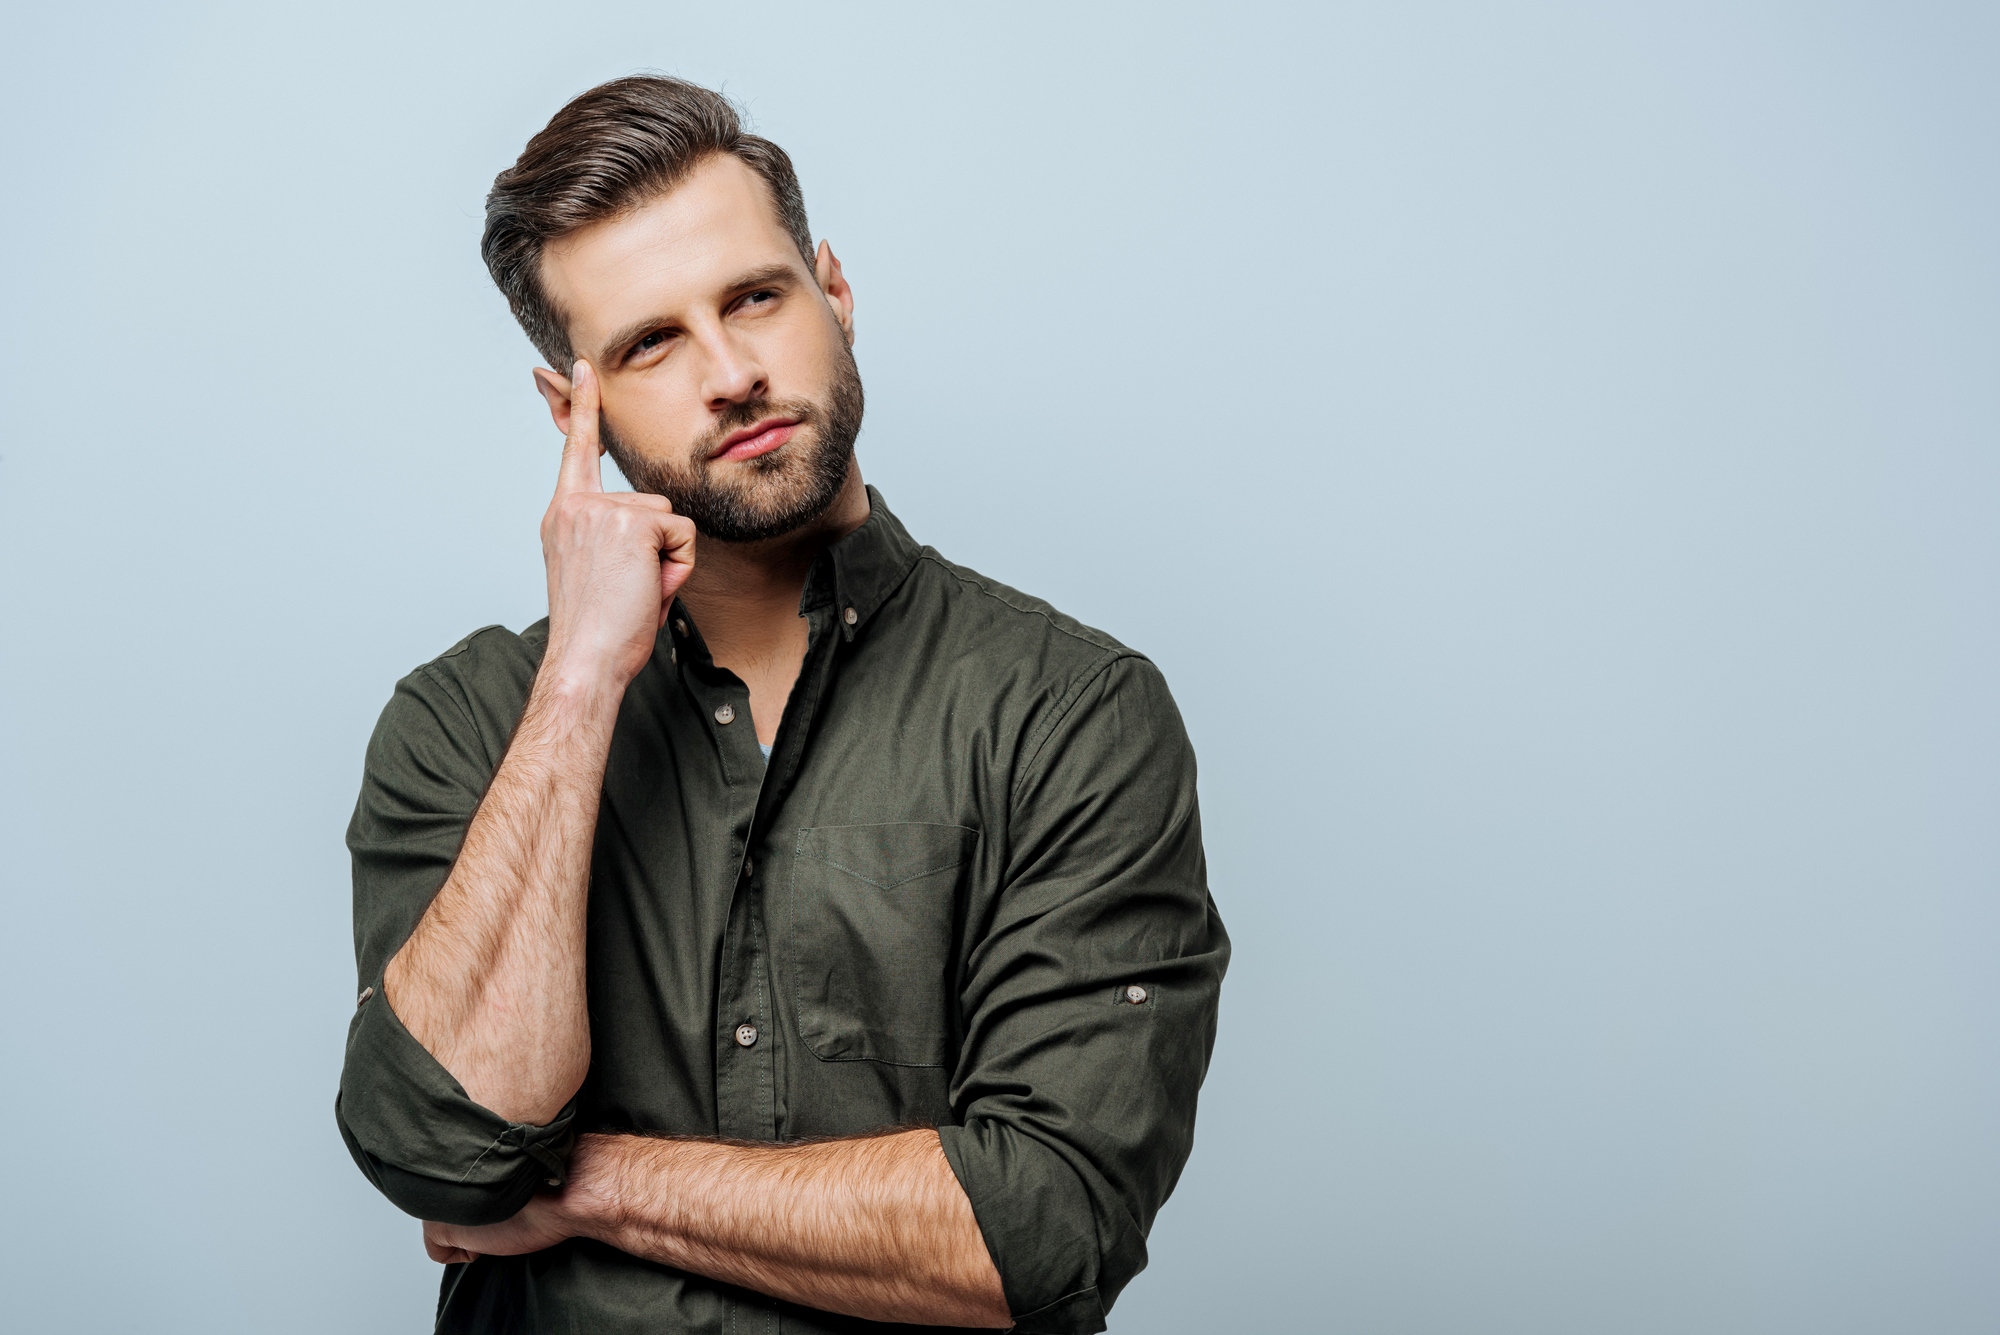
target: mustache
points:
(732, 419)
(748, 413)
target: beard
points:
(775, 493)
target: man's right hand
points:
(615, 560)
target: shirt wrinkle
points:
(450, 689)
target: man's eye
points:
(759, 298)
(650, 341)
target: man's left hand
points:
(539, 1225)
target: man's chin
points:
(765, 504)
(751, 524)
(761, 519)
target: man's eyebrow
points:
(763, 276)
(630, 334)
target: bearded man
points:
(802, 935)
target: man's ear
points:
(556, 390)
(826, 268)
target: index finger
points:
(580, 470)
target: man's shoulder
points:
(484, 679)
(982, 605)
(494, 644)
(1061, 674)
(445, 727)
(490, 655)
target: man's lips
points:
(762, 438)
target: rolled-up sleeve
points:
(410, 1126)
(1090, 1003)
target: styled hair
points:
(608, 151)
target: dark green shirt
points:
(966, 891)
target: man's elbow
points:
(495, 1188)
(434, 1151)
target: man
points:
(795, 930)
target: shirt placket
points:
(743, 1077)
(746, 1040)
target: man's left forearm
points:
(876, 1227)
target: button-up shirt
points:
(966, 890)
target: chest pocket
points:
(871, 939)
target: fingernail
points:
(576, 371)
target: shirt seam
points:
(937, 558)
(901, 880)
(1113, 653)
(1063, 707)
(1087, 1291)
(438, 678)
(482, 1157)
(528, 1142)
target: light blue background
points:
(1551, 450)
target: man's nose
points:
(734, 374)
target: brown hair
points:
(608, 151)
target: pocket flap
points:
(888, 855)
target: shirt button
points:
(850, 616)
(725, 714)
(1136, 995)
(366, 993)
(746, 1035)
(681, 625)
(748, 867)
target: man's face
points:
(728, 385)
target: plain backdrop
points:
(1551, 450)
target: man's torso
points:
(778, 949)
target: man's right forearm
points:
(491, 982)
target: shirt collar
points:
(860, 572)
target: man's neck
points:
(745, 597)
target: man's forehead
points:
(674, 249)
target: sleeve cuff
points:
(424, 1143)
(1038, 1224)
